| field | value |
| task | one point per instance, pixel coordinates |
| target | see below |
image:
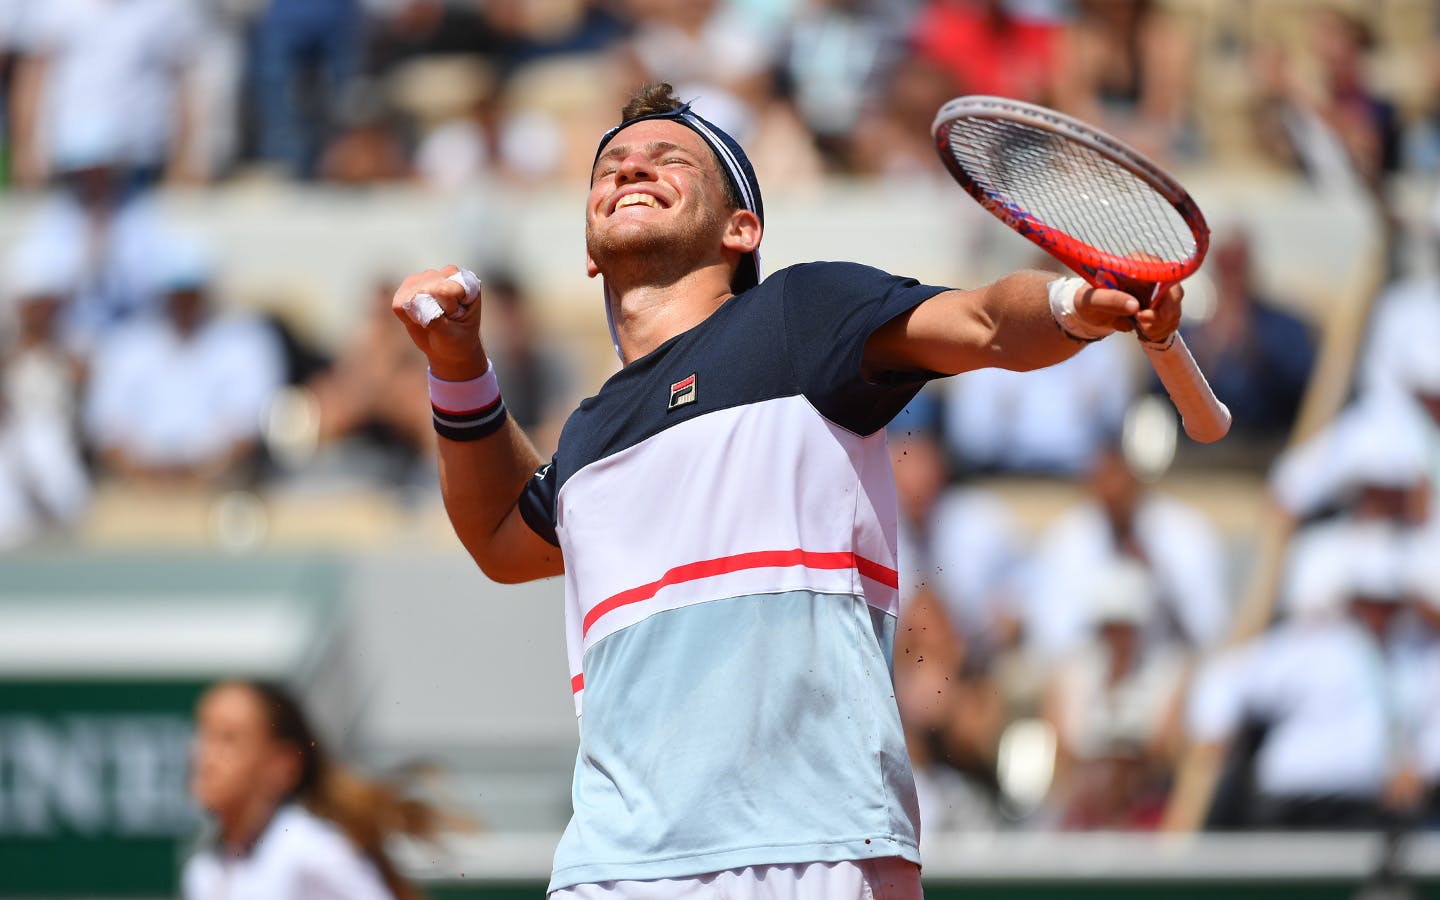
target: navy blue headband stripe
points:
(737, 174)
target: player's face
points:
(656, 193)
(232, 751)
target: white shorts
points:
(887, 878)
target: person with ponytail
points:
(290, 823)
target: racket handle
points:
(1205, 418)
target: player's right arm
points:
(481, 480)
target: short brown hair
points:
(650, 99)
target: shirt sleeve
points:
(537, 502)
(830, 311)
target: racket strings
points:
(1071, 188)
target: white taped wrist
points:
(424, 309)
(1062, 306)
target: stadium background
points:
(310, 544)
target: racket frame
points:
(1099, 267)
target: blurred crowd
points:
(1099, 645)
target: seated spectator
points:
(961, 543)
(91, 67)
(1052, 421)
(1315, 686)
(1256, 356)
(1126, 69)
(1375, 460)
(289, 821)
(115, 236)
(1115, 705)
(542, 375)
(179, 398)
(1124, 520)
(997, 47)
(374, 391)
(43, 482)
(891, 139)
(367, 147)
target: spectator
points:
(997, 47)
(1310, 686)
(1123, 520)
(43, 482)
(1115, 708)
(299, 42)
(1257, 357)
(113, 71)
(961, 543)
(367, 148)
(830, 62)
(707, 50)
(1054, 421)
(892, 138)
(116, 237)
(1374, 461)
(179, 398)
(290, 823)
(1127, 68)
(543, 375)
(373, 391)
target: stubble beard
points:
(657, 255)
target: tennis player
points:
(724, 513)
(289, 822)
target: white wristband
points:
(424, 309)
(465, 396)
(1062, 307)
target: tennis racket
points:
(1095, 204)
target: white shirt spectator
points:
(1385, 440)
(1051, 420)
(975, 551)
(299, 857)
(110, 78)
(170, 400)
(115, 265)
(1183, 550)
(1319, 684)
(1404, 329)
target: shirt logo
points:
(682, 392)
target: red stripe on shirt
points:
(759, 559)
(577, 684)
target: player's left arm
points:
(1008, 325)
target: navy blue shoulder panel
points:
(800, 331)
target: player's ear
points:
(742, 232)
(591, 269)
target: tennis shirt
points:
(727, 515)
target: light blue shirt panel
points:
(749, 731)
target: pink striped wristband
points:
(467, 410)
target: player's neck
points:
(648, 315)
(240, 831)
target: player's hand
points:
(450, 342)
(1105, 307)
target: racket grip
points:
(1205, 418)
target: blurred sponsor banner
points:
(101, 662)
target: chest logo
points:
(682, 392)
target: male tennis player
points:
(725, 516)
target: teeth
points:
(636, 200)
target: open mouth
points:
(637, 198)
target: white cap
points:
(1415, 361)
(1123, 592)
(1386, 445)
(43, 268)
(1420, 567)
(187, 262)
